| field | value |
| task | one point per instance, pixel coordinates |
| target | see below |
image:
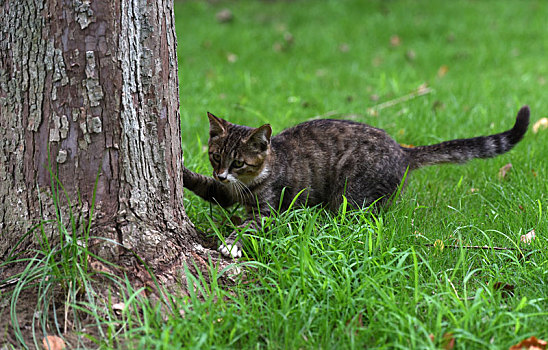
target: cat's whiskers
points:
(238, 189)
(244, 189)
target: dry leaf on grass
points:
(541, 124)
(504, 170)
(344, 47)
(118, 308)
(53, 342)
(442, 71)
(410, 55)
(406, 145)
(529, 237)
(448, 341)
(372, 112)
(231, 57)
(532, 343)
(395, 40)
(224, 16)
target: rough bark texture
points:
(92, 84)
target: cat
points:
(321, 161)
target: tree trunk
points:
(90, 88)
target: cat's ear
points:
(260, 137)
(217, 126)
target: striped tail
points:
(462, 150)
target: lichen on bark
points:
(92, 88)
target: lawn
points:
(413, 276)
(444, 266)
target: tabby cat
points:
(325, 159)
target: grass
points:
(405, 278)
(349, 280)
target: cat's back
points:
(331, 135)
(328, 156)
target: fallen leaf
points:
(504, 170)
(281, 27)
(448, 341)
(442, 71)
(344, 47)
(529, 237)
(406, 145)
(53, 342)
(541, 124)
(423, 89)
(278, 47)
(289, 38)
(411, 55)
(360, 321)
(506, 290)
(431, 336)
(118, 308)
(224, 16)
(99, 266)
(231, 57)
(532, 343)
(372, 112)
(417, 234)
(395, 40)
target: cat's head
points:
(236, 152)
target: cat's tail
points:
(462, 150)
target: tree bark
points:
(91, 88)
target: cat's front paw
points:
(231, 250)
(232, 246)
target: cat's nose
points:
(222, 176)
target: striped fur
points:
(462, 150)
(320, 161)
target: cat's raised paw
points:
(230, 250)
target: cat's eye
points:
(237, 164)
(216, 157)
